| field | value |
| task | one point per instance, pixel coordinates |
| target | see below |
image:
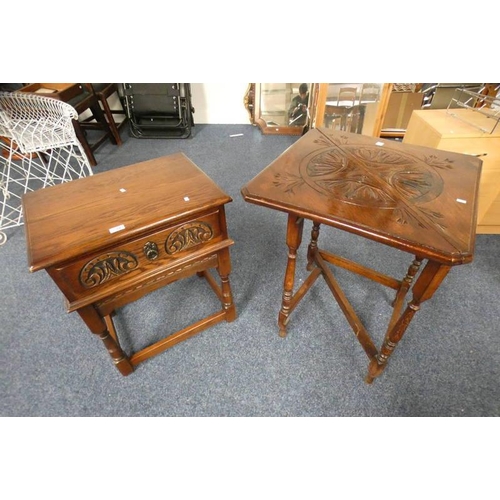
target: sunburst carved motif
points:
(373, 177)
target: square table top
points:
(67, 220)
(418, 199)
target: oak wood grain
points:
(64, 219)
(415, 199)
(167, 222)
(420, 200)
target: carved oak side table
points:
(415, 199)
(109, 239)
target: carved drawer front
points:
(117, 266)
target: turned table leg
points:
(97, 325)
(313, 246)
(224, 268)
(293, 239)
(403, 290)
(425, 286)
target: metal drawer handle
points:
(150, 250)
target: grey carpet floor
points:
(446, 365)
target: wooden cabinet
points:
(465, 131)
(125, 233)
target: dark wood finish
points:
(425, 286)
(88, 101)
(415, 199)
(61, 91)
(103, 91)
(293, 240)
(83, 99)
(125, 233)
(350, 314)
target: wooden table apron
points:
(418, 200)
(109, 239)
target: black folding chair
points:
(158, 110)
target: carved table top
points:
(68, 220)
(418, 199)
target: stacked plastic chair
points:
(38, 148)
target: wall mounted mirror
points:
(279, 108)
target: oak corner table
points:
(416, 199)
(109, 239)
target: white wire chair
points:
(38, 148)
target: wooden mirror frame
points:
(252, 102)
(249, 102)
(318, 106)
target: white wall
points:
(219, 103)
(214, 103)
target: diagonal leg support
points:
(427, 283)
(317, 262)
(351, 316)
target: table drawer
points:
(114, 268)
